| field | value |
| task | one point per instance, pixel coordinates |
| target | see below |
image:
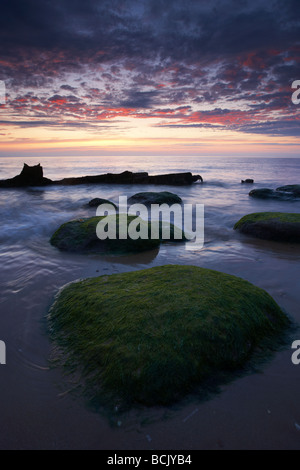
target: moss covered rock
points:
(277, 226)
(148, 198)
(151, 336)
(80, 236)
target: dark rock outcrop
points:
(176, 179)
(29, 176)
(248, 181)
(33, 176)
(128, 177)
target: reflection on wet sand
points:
(134, 259)
(291, 250)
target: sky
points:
(149, 77)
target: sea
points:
(38, 408)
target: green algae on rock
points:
(152, 336)
(81, 236)
(278, 226)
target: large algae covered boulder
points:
(154, 335)
(81, 235)
(277, 226)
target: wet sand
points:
(259, 411)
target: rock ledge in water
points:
(33, 176)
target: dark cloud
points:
(66, 125)
(197, 126)
(68, 88)
(278, 128)
(109, 59)
(147, 28)
(140, 99)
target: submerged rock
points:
(291, 189)
(284, 193)
(264, 193)
(277, 226)
(148, 198)
(152, 336)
